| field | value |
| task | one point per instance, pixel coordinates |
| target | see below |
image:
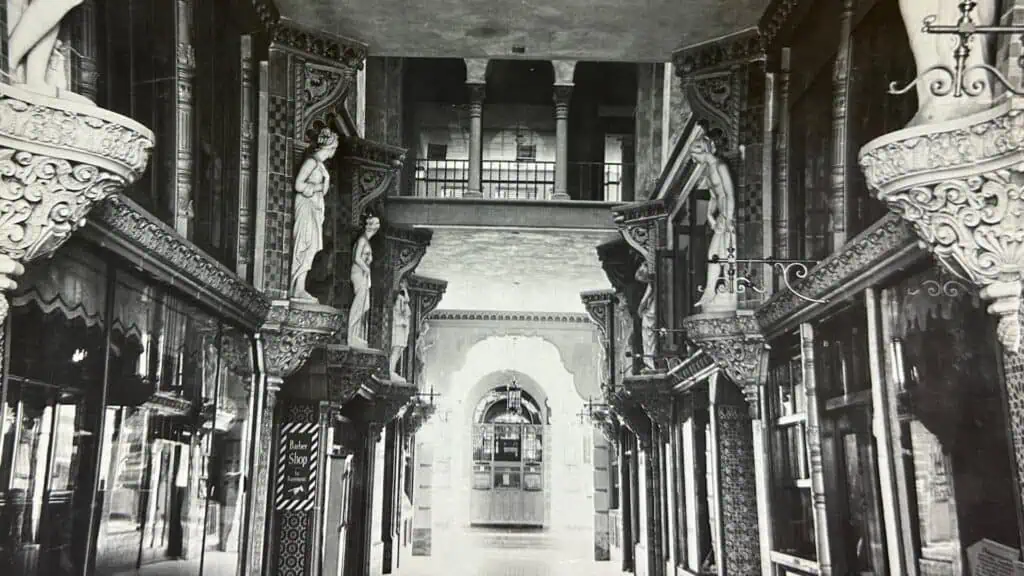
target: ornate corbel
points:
(406, 247)
(713, 77)
(608, 425)
(419, 413)
(632, 416)
(640, 227)
(600, 305)
(292, 330)
(59, 159)
(323, 91)
(351, 371)
(736, 343)
(959, 184)
(389, 400)
(653, 392)
(371, 169)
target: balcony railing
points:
(519, 180)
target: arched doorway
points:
(508, 432)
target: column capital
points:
(562, 96)
(477, 92)
(476, 70)
(565, 71)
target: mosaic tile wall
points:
(738, 491)
(749, 201)
(1013, 370)
(281, 171)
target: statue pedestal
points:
(59, 159)
(734, 341)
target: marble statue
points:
(362, 258)
(400, 319)
(934, 50)
(31, 45)
(721, 220)
(648, 312)
(311, 186)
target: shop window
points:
(955, 473)
(158, 448)
(790, 482)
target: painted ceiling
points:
(597, 30)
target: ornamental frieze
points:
(736, 49)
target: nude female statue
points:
(648, 314)
(31, 44)
(311, 186)
(721, 217)
(932, 50)
(362, 258)
(400, 319)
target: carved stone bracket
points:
(654, 393)
(607, 423)
(292, 330)
(419, 413)
(735, 342)
(639, 226)
(350, 371)
(600, 305)
(371, 169)
(389, 399)
(960, 184)
(406, 248)
(632, 415)
(323, 91)
(59, 159)
(426, 294)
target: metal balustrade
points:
(518, 180)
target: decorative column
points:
(564, 70)
(780, 202)
(184, 71)
(476, 83)
(246, 141)
(840, 110)
(85, 73)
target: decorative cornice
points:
(292, 330)
(654, 393)
(959, 184)
(562, 318)
(882, 241)
(142, 238)
(58, 159)
(724, 53)
(735, 342)
(288, 34)
(776, 18)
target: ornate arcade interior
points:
(478, 288)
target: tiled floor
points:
(496, 552)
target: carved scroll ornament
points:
(58, 159)
(293, 328)
(735, 342)
(959, 184)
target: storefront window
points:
(145, 468)
(956, 475)
(51, 402)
